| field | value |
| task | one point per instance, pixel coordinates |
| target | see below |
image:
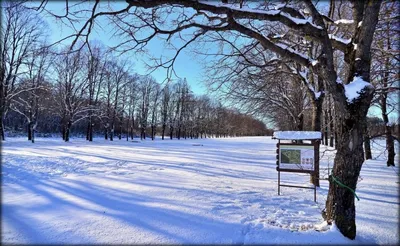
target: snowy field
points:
(205, 191)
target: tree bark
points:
(163, 131)
(33, 135)
(87, 130)
(152, 132)
(331, 131)
(120, 129)
(2, 128)
(326, 127)
(388, 131)
(316, 115)
(67, 131)
(348, 161)
(367, 142)
(316, 126)
(30, 131)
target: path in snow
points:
(188, 191)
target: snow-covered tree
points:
(21, 31)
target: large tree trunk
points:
(348, 161)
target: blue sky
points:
(186, 66)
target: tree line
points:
(47, 90)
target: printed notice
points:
(298, 157)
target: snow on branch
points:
(303, 75)
(344, 21)
(342, 40)
(299, 21)
(355, 88)
(289, 49)
(297, 135)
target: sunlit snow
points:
(205, 191)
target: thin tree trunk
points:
(33, 135)
(67, 131)
(316, 126)
(2, 129)
(29, 131)
(87, 130)
(120, 130)
(367, 143)
(163, 131)
(127, 129)
(331, 135)
(112, 132)
(390, 147)
(132, 126)
(326, 127)
(388, 131)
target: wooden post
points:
(277, 166)
(316, 162)
(315, 193)
(279, 182)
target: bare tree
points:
(21, 30)
(71, 87)
(132, 88)
(146, 87)
(165, 105)
(154, 107)
(385, 72)
(96, 61)
(28, 103)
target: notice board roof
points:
(297, 135)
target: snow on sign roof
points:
(297, 135)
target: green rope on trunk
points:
(345, 186)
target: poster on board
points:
(296, 157)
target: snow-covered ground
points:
(208, 191)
